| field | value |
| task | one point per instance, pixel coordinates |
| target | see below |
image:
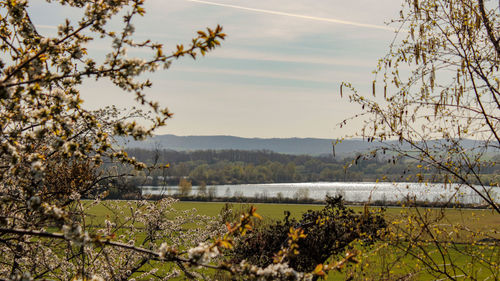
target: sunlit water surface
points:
(352, 191)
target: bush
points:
(329, 231)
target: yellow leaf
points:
(319, 270)
(257, 216)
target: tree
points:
(202, 189)
(440, 99)
(185, 187)
(52, 152)
(51, 148)
(441, 92)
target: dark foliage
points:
(242, 167)
(124, 188)
(329, 232)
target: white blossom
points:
(203, 253)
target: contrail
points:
(295, 15)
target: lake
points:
(352, 191)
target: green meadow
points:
(476, 218)
(375, 259)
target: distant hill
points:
(296, 146)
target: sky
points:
(276, 75)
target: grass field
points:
(377, 257)
(474, 218)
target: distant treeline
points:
(213, 167)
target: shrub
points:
(329, 231)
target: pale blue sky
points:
(276, 75)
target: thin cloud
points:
(281, 57)
(44, 26)
(318, 77)
(352, 23)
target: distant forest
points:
(213, 167)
